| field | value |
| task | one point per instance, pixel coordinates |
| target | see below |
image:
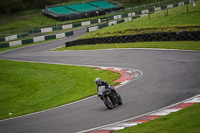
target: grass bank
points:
(183, 45)
(41, 20)
(31, 87)
(183, 121)
(177, 20)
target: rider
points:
(100, 82)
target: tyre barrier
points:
(161, 36)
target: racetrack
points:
(169, 76)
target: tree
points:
(7, 6)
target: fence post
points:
(32, 31)
(166, 13)
(21, 33)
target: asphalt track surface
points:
(169, 76)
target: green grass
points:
(184, 45)
(183, 121)
(4, 17)
(35, 21)
(30, 87)
(177, 20)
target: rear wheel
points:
(108, 102)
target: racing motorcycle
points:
(110, 97)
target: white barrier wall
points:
(145, 11)
(117, 17)
(85, 23)
(170, 6)
(38, 39)
(13, 37)
(157, 9)
(127, 19)
(181, 4)
(69, 26)
(112, 23)
(46, 30)
(131, 14)
(93, 28)
(61, 35)
(15, 43)
(143, 15)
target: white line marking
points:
(136, 116)
(165, 112)
(104, 68)
(113, 128)
(117, 69)
(156, 49)
(129, 71)
(136, 75)
(122, 83)
(128, 124)
(195, 100)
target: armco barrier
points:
(161, 36)
(5, 45)
(13, 37)
(69, 26)
(61, 35)
(50, 37)
(27, 41)
(2, 39)
(57, 28)
(76, 25)
(69, 33)
(36, 39)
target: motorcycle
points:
(110, 97)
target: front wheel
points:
(120, 102)
(108, 102)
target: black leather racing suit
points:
(107, 86)
(103, 83)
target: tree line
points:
(10, 6)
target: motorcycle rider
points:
(100, 82)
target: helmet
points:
(98, 81)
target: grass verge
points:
(31, 87)
(183, 45)
(183, 121)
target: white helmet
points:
(97, 80)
